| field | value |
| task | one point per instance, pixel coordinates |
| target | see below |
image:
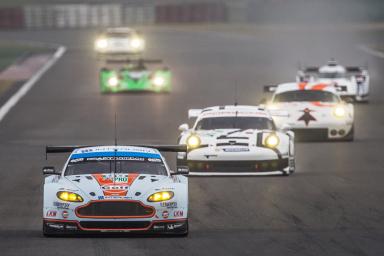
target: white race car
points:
(115, 189)
(314, 111)
(235, 141)
(351, 83)
(119, 42)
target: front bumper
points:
(60, 226)
(239, 168)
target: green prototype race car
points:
(135, 76)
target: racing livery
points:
(235, 141)
(351, 83)
(118, 42)
(135, 76)
(314, 111)
(115, 189)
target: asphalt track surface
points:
(333, 205)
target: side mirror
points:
(348, 100)
(263, 101)
(181, 170)
(184, 127)
(285, 128)
(50, 170)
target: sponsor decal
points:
(113, 197)
(236, 149)
(115, 185)
(174, 226)
(178, 213)
(165, 214)
(51, 213)
(307, 117)
(169, 205)
(60, 205)
(154, 160)
(65, 214)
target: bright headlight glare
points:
(193, 141)
(137, 43)
(69, 196)
(158, 81)
(101, 43)
(161, 196)
(113, 81)
(339, 111)
(272, 141)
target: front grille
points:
(316, 134)
(115, 209)
(238, 166)
(115, 224)
(232, 144)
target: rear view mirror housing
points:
(49, 170)
(181, 170)
(184, 127)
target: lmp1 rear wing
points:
(193, 113)
(162, 148)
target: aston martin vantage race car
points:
(135, 76)
(118, 42)
(314, 111)
(235, 141)
(115, 189)
(351, 83)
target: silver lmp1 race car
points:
(235, 141)
(352, 83)
(119, 42)
(313, 111)
(115, 189)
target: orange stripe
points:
(302, 85)
(319, 87)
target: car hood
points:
(128, 186)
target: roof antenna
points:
(236, 94)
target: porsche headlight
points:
(101, 43)
(339, 111)
(158, 81)
(161, 196)
(113, 81)
(69, 196)
(272, 141)
(137, 43)
(193, 141)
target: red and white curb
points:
(4, 109)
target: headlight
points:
(101, 43)
(161, 196)
(137, 43)
(272, 141)
(158, 81)
(193, 141)
(113, 81)
(69, 196)
(339, 111)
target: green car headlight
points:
(272, 141)
(113, 81)
(158, 81)
(161, 196)
(69, 196)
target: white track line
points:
(371, 51)
(30, 83)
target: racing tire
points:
(351, 135)
(183, 233)
(48, 232)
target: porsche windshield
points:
(123, 164)
(331, 75)
(235, 122)
(306, 95)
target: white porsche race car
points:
(115, 189)
(235, 141)
(119, 42)
(351, 83)
(314, 111)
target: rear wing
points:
(354, 69)
(194, 113)
(269, 88)
(70, 149)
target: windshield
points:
(233, 122)
(306, 95)
(94, 165)
(331, 75)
